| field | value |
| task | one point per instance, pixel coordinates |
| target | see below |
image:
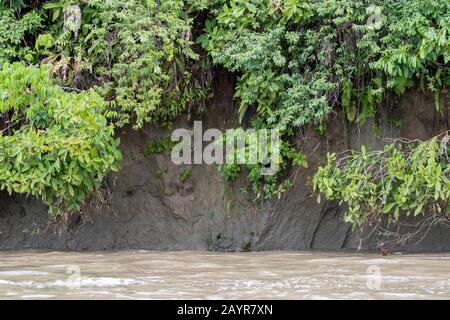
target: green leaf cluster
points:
(137, 54)
(56, 146)
(14, 31)
(403, 179)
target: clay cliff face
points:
(147, 206)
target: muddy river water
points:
(206, 275)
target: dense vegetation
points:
(56, 145)
(405, 177)
(87, 67)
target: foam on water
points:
(198, 275)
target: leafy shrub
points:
(56, 145)
(401, 179)
(13, 32)
(159, 145)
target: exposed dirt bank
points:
(148, 207)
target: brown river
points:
(206, 275)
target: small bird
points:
(385, 251)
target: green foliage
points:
(14, 31)
(295, 57)
(348, 105)
(266, 186)
(269, 186)
(57, 145)
(295, 61)
(230, 172)
(185, 175)
(401, 179)
(159, 145)
(263, 186)
(136, 53)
